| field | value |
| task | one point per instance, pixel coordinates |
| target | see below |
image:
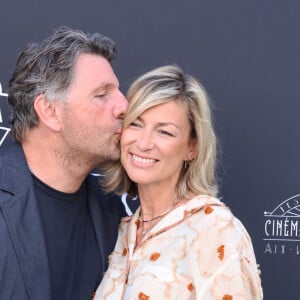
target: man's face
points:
(92, 117)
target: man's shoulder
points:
(13, 168)
(12, 150)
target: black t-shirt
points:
(74, 256)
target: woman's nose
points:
(145, 141)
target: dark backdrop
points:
(246, 53)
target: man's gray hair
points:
(47, 68)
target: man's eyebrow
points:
(103, 86)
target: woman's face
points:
(155, 145)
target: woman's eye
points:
(134, 124)
(164, 132)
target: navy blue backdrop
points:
(246, 53)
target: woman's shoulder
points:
(208, 205)
(214, 214)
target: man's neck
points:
(45, 165)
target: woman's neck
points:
(156, 201)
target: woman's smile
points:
(143, 160)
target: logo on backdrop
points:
(3, 130)
(282, 228)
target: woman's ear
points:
(192, 150)
(47, 112)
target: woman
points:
(182, 243)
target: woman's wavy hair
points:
(160, 86)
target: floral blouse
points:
(197, 251)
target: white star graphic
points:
(3, 130)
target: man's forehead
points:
(97, 67)
(88, 57)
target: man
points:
(56, 226)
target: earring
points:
(186, 164)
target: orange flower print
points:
(124, 253)
(154, 256)
(227, 297)
(221, 252)
(190, 287)
(208, 210)
(143, 296)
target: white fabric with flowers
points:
(197, 251)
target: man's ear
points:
(47, 112)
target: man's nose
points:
(120, 106)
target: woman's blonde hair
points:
(160, 86)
